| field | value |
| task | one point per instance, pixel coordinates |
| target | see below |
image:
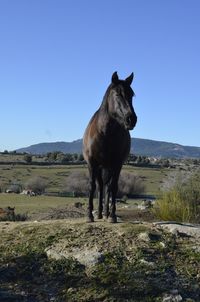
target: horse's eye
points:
(119, 93)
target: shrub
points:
(15, 217)
(28, 158)
(37, 184)
(181, 203)
(15, 188)
(130, 184)
(77, 182)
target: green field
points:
(55, 177)
(31, 205)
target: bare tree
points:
(130, 184)
(78, 182)
(37, 184)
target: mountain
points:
(163, 149)
(65, 147)
(138, 147)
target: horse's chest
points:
(115, 148)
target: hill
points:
(43, 148)
(163, 149)
(138, 146)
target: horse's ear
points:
(130, 79)
(115, 78)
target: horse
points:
(106, 145)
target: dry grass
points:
(181, 203)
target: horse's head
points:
(120, 101)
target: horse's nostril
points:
(129, 119)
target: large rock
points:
(192, 231)
(87, 257)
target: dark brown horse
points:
(106, 144)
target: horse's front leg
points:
(90, 217)
(112, 216)
(106, 200)
(100, 195)
(114, 189)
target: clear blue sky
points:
(57, 58)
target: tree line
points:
(58, 157)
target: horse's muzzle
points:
(130, 121)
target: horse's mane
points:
(103, 105)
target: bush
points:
(130, 184)
(15, 188)
(181, 203)
(77, 182)
(28, 158)
(14, 217)
(36, 184)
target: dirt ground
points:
(56, 256)
(125, 213)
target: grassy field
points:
(55, 176)
(24, 204)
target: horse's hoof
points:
(90, 219)
(112, 219)
(105, 218)
(100, 216)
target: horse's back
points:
(89, 137)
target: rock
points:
(142, 207)
(149, 236)
(162, 244)
(147, 203)
(71, 290)
(148, 263)
(53, 254)
(144, 236)
(181, 229)
(87, 257)
(173, 296)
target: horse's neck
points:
(106, 124)
(103, 120)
